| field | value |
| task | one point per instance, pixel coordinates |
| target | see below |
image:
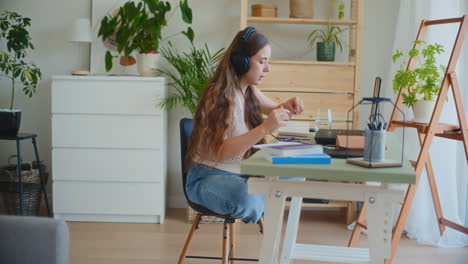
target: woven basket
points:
(32, 193)
(300, 8)
(205, 219)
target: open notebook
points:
(295, 129)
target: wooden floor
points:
(119, 243)
(124, 243)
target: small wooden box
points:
(264, 10)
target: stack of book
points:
(295, 153)
(296, 129)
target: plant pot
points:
(422, 110)
(146, 63)
(300, 8)
(326, 51)
(10, 121)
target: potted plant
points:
(421, 84)
(329, 37)
(13, 29)
(188, 73)
(137, 27)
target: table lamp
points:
(81, 32)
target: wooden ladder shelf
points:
(426, 133)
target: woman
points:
(227, 122)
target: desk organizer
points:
(375, 137)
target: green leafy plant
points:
(340, 7)
(330, 34)
(13, 29)
(425, 80)
(189, 73)
(137, 26)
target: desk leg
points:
(41, 176)
(20, 175)
(379, 226)
(291, 230)
(274, 210)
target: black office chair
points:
(186, 126)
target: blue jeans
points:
(223, 192)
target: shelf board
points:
(455, 136)
(307, 21)
(302, 90)
(331, 204)
(423, 127)
(321, 63)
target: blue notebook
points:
(321, 158)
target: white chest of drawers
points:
(109, 148)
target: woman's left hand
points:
(295, 105)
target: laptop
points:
(328, 136)
(342, 153)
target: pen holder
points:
(374, 145)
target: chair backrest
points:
(186, 126)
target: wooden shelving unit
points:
(333, 63)
(322, 85)
(288, 20)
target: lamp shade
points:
(81, 31)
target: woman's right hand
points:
(277, 118)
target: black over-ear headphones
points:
(239, 59)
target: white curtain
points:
(448, 158)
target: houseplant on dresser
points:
(137, 26)
(423, 82)
(14, 68)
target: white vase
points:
(146, 63)
(422, 110)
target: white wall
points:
(215, 22)
(54, 55)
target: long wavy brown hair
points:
(212, 121)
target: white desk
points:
(379, 206)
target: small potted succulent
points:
(14, 33)
(137, 27)
(422, 84)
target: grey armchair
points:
(35, 240)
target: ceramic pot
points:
(326, 51)
(146, 63)
(374, 145)
(10, 121)
(422, 110)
